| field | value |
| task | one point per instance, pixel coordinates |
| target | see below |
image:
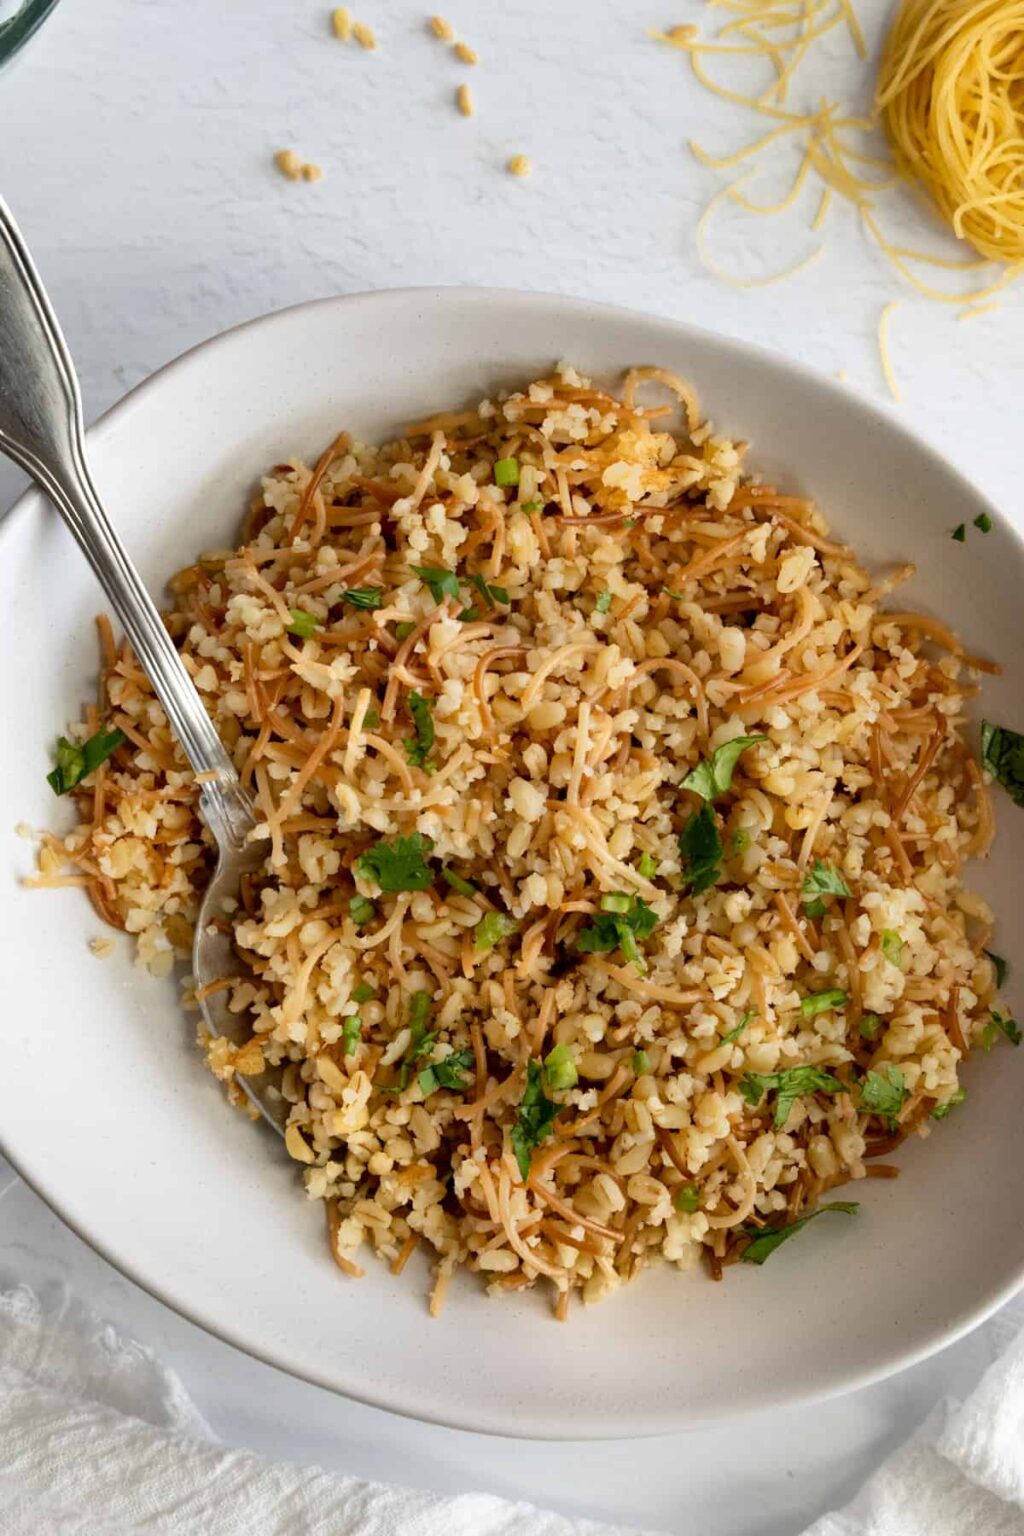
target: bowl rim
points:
(15, 32)
(651, 1422)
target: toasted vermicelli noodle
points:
(550, 1047)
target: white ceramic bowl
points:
(105, 1107)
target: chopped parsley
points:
(871, 1026)
(361, 910)
(442, 583)
(814, 906)
(363, 597)
(701, 847)
(364, 992)
(417, 748)
(404, 630)
(506, 472)
(787, 1086)
(687, 1198)
(75, 762)
(821, 1002)
(622, 920)
(641, 1063)
(371, 719)
(560, 1069)
(469, 615)
(604, 601)
(491, 595)
(399, 866)
(883, 1093)
(531, 506)
(999, 1025)
(823, 880)
(892, 946)
(421, 1043)
(765, 1240)
(942, 1110)
(447, 1073)
(734, 1034)
(457, 883)
(1001, 967)
(712, 776)
(302, 623)
(984, 522)
(647, 867)
(1002, 753)
(492, 928)
(351, 1034)
(535, 1119)
(960, 533)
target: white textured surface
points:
(135, 141)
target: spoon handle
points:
(41, 429)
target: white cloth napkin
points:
(99, 1438)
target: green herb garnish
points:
(491, 595)
(447, 1073)
(417, 748)
(892, 946)
(492, 928)
(618, 927)
(404, 630)
(701, 847)
(74, 762)
(362, 910)
(942, 1110)
(765, 1240)
(421, 1043)
(734, 1034)
(984, 522)
(531, 506)
(351, 1034)
(713, 775)
(871, 1026)
(371, 719)
(302, 623)
(535, 1119)
(363, 597)
(687, 1198)
(787, 1086)
(960, 533)
(740, 842)
(364, 992)
(997, 1025)
(457, 883)
(641, 1063)
(1002, 753)
(823, 880)
(814, 906)
(399, 866)
(442, 583)
(822, 1002)
(647, 867)
(560, 1069)
(883, 1093)
(604, 601)
(506, 472)
(1001, 967)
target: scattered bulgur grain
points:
(467, 54)
(520, 165)
(341, 21)
(364, 36)
(464, 100)
(311, 172)
(101, 948)
(442, 29)
(288, 163)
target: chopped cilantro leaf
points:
(560, 1069)
(687, 1198)
(492, 596)
(734, 1034)
(892, 946)
(871, 1026)
(765, 1240)
(371, 719)
(404, 630)
(604, 601)
(351, 1034)
(457, 883)
(535, 1119)
(417, 748)
(814, 906)
(883, 1093)
(302, 623)
(713, 775)
(361, 910)
(74, 762)
(363, 992)
(787, 1086)
(442, 583)
(399, 866)
(629, 919)
(701, 847)
(469, 615)
(506, 472)
(420, 1042)
(960, 533)
(984, 522)
(823, 880)
(363, 597)
(1001, 967)
(447, 1073)
(821, 1002)
(942, 1110)
(1002, 753)
(999, 1025)
(492, 928)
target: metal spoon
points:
(41, 430)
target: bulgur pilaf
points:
(614, 911)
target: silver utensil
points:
(41, 429)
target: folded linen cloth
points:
(99, 1438)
